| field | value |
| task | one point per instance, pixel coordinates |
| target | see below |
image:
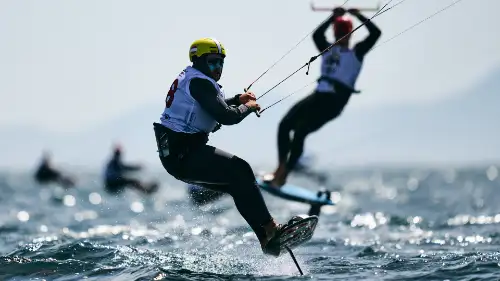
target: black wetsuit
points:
(317, 109)
(191, 160)
(46, 174)
(115, 178)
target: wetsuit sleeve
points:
(362, 48)
(319, 37)
(234, 100)
(207, 96)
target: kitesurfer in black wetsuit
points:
(116, 179)
(340, 69)
(196, 106)
(46, 174)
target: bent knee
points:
(287, 123)
(241, 164)
(242, 170)
(337, 113)
(284, 125)
(301, 132)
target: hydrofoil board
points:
(296, 193)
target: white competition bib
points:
(339, 65)
(182, 112)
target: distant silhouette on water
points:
(116, 177)
(46, 174)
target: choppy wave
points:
(388, 225)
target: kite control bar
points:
(330, 9)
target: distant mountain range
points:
(461, 129)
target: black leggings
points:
(218, 170)
(305, 117)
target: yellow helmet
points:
(206, 46)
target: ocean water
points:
(389, 224)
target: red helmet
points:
(117, 149)
(342, 26)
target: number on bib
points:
(332, 62)
(170, 96)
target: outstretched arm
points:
(319, 34)
(130, 167)
(363, 47)
(204, 92)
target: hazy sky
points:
(69, 65)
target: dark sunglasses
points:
(215, 61)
